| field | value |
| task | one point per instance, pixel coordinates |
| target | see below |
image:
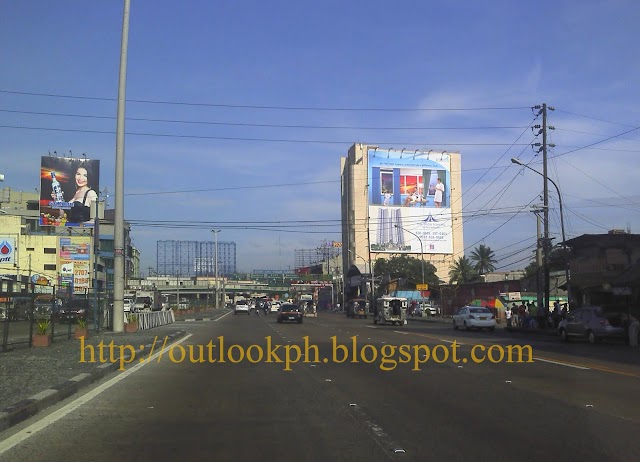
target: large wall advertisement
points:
(410, 202)
(67, 189)
(74, 263)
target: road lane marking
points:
(226, 314)
(50, 419)
(539, 358)
(561, 363)
(593, 367)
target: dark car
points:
(73, 310)
(594, 323)
(290, 312)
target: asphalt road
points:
(571, 402)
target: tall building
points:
(401, 202)
(42, 254)
(195, 258)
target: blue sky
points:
(237, 57)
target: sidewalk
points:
(32, 379)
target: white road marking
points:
(561, 364)
(226, 314)
(43, 423)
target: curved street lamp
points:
(564, 240)
(421, 253)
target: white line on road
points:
(43, 423)
(218, 319)
(561, 364)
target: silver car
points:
(474, 317)
(594, 323)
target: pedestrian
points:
(508, 314)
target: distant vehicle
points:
(275, 306)
(241, 306)
(390, 309)
(74, 309)
(128, 305)
(357, 308)
(146, 300)
(428, 309)
(474, 317)
(290, 312)
(593, 323)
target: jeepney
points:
(390, 309)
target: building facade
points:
(56, 258)
(397, 202)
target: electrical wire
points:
(243, 106)
(239, 124)
(231, 138)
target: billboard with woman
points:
(68, 187)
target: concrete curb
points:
(22, 410)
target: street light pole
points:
(564, 239)
(215, 234)
(365, 267)
(421, 255)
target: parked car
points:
(241, 306)
(474, 317)
(290, 312)
(594, 323)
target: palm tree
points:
(462, 271)
(483, 258)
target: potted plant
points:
(81, 329)
(42, 337)
(132, 325)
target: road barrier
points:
(151, 319)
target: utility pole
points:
(539, 246)
(545, 211)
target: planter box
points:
(41, 340)
(131, 327)
(80, 333)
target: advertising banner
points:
(74, 263)
(68, 187)
(410, 202)
(7, 250)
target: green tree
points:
(462, 271)
(406, 268)
(482, 256)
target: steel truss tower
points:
(195, 258)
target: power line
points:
(231, 138)
(594, 118)
(241, 124)
(247, 106)
(593, 144)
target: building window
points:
(30, 249)
(50, 250)
(49, 267)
